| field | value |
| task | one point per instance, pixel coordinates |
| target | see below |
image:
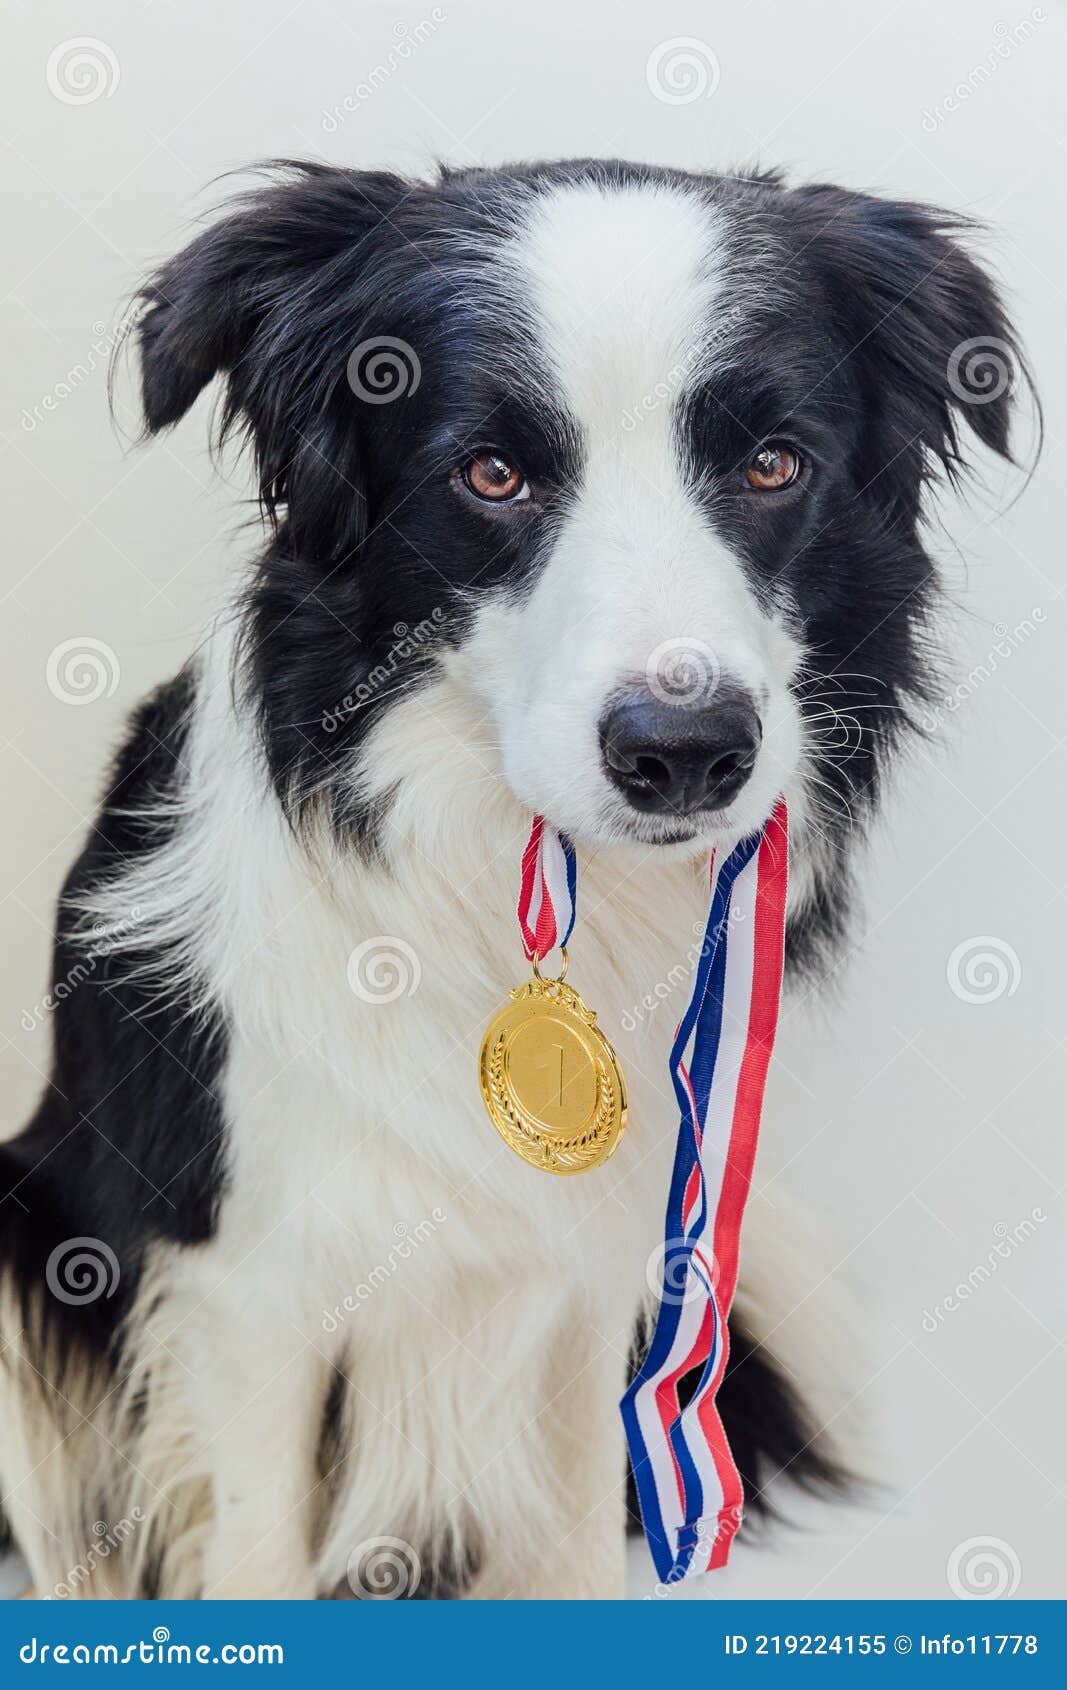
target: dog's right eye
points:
(491, 477)
(774, 466)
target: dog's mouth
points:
(681, 834)
(667, 834)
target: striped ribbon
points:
(547, 891)
(688, 1486)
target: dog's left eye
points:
(491, 477)
(774, 466)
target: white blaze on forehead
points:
(626, 300)
(623, 287)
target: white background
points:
(908, 1123)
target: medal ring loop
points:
(559, 977)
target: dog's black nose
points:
(669, 757)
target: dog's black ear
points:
(270, 298)
(925, 328)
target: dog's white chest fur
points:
(375, 1012)
(434, 1267)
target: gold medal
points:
(550, 1080)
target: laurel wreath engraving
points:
(560, 1155)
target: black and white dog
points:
(537, 447)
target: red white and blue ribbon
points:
(688, 1486)
(547, 892)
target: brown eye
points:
(774, 466)
(491, 477)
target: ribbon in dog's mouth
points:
(555, 1093)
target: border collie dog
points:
(280, 1315)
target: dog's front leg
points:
(567, 1538)
(257, 1399)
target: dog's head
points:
(635, 455)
